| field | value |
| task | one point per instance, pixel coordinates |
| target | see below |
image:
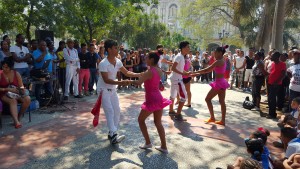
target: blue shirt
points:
(38, 65)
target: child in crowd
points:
(247, 163)
(154, 102)
(291, 118)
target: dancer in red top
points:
(219, 86)
(154, 102)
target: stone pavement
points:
(58, 138)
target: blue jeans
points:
(24, 72)
(93, 78)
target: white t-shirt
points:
(179, 58)
(159, 61)
(239, 62)
(21, 53)
(106, 66)
(295, 80)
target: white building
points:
(168, 13)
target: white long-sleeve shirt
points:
(71, 57)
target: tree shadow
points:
(151, 160)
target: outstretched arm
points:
(129, 73)
(147, 75)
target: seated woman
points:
(9, 77)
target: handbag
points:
(21, 94)
(247, 104)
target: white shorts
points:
(248, 75)
(177, 87)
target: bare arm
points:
(41, 57)
(209, 68)
(19, 79)
(129, 73)
(112, 82)
(147, 75)
(15, 57)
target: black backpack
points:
(248, 104)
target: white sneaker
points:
(115, 139)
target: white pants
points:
(177, 87)
(248, 75)
(71, 74)
(111, 107)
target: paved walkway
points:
(58, 138)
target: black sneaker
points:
(179, 117)
(115, 139)
(66, 98)
(78, 96)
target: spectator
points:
(40, 56)
(239, 67)
(212, 59)
(94, 42)
(249, 62)
(228, 66)
(258, 76)
(292, 162)
(21, 56)
(290, 141)
(4, 52)
(33, 45)
(84, 74)
(6, 39)
(9, 78)
(61, 65)
(247, 163)
(72, 68)
(196, 65)
(277, 73)
(294, 73)
(93, 64)
(165, 66)
(205, 64)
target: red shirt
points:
(276, 72)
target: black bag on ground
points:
(248, 104)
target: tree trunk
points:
(278, 25)
(27, 31)
(265, 25)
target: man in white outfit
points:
(177, 86)
(106, 87)
(72, 69)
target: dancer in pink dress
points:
(154, 102)
(219, 86)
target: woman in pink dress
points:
(154, 102)
(218, 87)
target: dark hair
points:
(222, 49)
(83, 45)
(19, 35)
(296, 99)
(183, 44)
(249, 163)
(9, 61)
(33, 40)
(289, 132)
(260, 54)
(59, 48)
(159, 46)
(4, 37)
(285, 55)
(155, 56)
(91, 44)
(262, 134)
(276, 55)
(109, 43)
(255, 147)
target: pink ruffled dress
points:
(154, 100)
(220, 83)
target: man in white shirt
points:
(106, 88)
(239, 67)
(72, 69)
(177, 86)
(21, 56)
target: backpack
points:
(248, 104)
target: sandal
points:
(17, 126)
(209, 120)
(146, 146)
(161, 149)
(220, 123)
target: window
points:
(173, 11)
